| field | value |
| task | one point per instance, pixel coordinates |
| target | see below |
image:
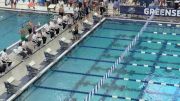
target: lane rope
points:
(118, 61)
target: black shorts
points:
(30, 30)
(64, 25)
(61, 13)
(75, 33)
(87, 11)
(2, 68)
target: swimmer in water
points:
(20, 14)
(177, 45)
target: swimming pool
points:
(11, 22)
(150, 71)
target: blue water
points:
(11, 22)
(79, 71)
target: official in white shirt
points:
(5, 58)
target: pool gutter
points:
(21, 90)
(155, 21)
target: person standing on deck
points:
(86, 10)
(80, 3)
(102, 8)
(47, 3)
(5, 58)
(31, 4)
(13, 3)
(76, 32)
(2, 68)
(44, 36)
(6, 3)
(61, 11)
(30, 27)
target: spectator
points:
(156, 3)
(80, 2)
(135, 2)
(152, 4)
(161, 3)
(31, 4)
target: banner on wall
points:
(149, 11)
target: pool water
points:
(79, 71)
(11, 22)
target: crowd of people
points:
(13, 3)
(144, 3)
(32, 39)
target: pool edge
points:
(141, 20)
(22, 89)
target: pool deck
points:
(19, 71)
(43, 8)
(23, 6)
